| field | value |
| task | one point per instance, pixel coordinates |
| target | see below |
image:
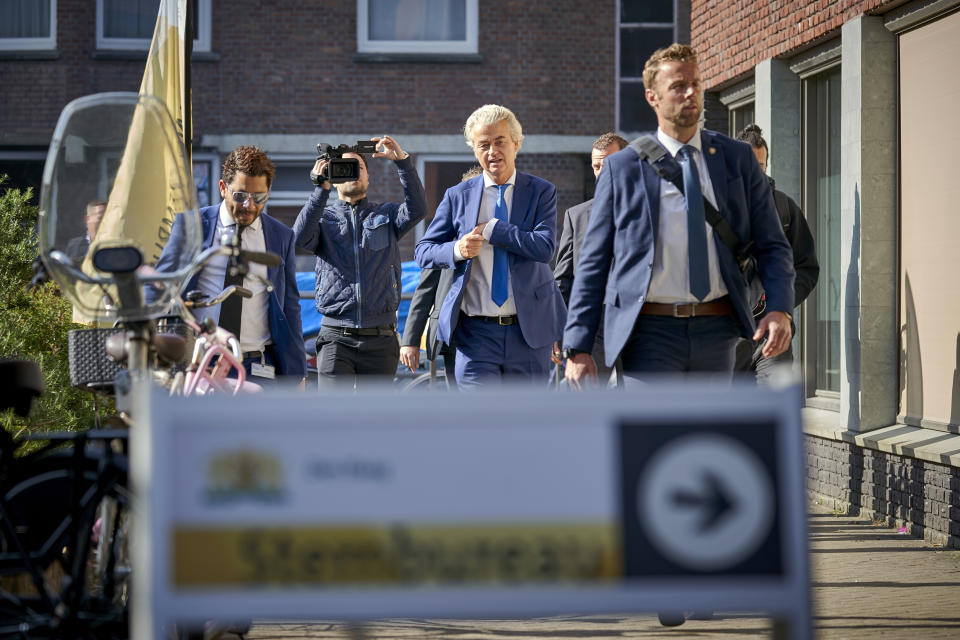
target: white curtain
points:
(24, 19)
(417, 19)
(129, 18)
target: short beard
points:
(353, 190)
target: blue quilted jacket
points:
(357, 249)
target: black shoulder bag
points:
(652, 152)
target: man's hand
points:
(319, 167)
(556, 354)
(410, 357)
(579, 369)
(388, 148)
(469, 245)
(776, 326)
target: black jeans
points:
(342, 358)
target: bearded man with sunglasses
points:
(268, 323)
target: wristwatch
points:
(568, 353)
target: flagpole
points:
(187, 87)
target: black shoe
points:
(672, 619)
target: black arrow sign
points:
(713, 501)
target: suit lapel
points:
(270, 243)
(713, 155)
(471, 205)
(209, 221)
(521, 200)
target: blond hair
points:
(673, 53)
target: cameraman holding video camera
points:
(358, 259)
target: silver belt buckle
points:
(691, 314)
(504, 321)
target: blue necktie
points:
(696, 224)
(501, 264)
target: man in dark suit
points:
(268, 323)
(571, 239)
(805, 264)
(498, 232)
(434, 285)
(670, 293)
(77, 247)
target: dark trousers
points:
(488, 353)
(342, 358)
(750, 360)
(663, 344)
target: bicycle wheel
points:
(53, 512)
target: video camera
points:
(340, 169)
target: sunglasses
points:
(242, 196)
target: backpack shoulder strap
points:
(649, 149)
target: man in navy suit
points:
(497, 231)
(670, 291)
(268, 323)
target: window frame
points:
(48, 43)
(633, 79)
(816, 396)
(468, 46)
(201, 44)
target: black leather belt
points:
(503, 321)
(383, 330)
(252, 354)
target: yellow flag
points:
(148, 190)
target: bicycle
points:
(49, 501)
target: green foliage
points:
(34, 325)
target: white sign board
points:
(501, 504)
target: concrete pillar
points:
(777, 104)
(868, 219)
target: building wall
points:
(860, 458)
(733, 37)
(920, 495)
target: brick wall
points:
(287, 66)
(732, 37)
(922, 495)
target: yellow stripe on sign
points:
(392, 555)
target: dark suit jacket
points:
(283, 313)
(529, 238)
(616, 259)
(77, 249)
(433, 288)
(571, 238)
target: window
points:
(206, 178)
(28, 25)
(740, 117)
(24, 169)
(417, 26)
(129, 24)
(821, 202)
(645, 26)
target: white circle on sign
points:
(705, 501)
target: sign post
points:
(511, 504)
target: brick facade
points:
(291, 67)
(923, 496)
(732, 37)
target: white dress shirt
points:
(254, 321)
(670, 282)
(477, 300)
